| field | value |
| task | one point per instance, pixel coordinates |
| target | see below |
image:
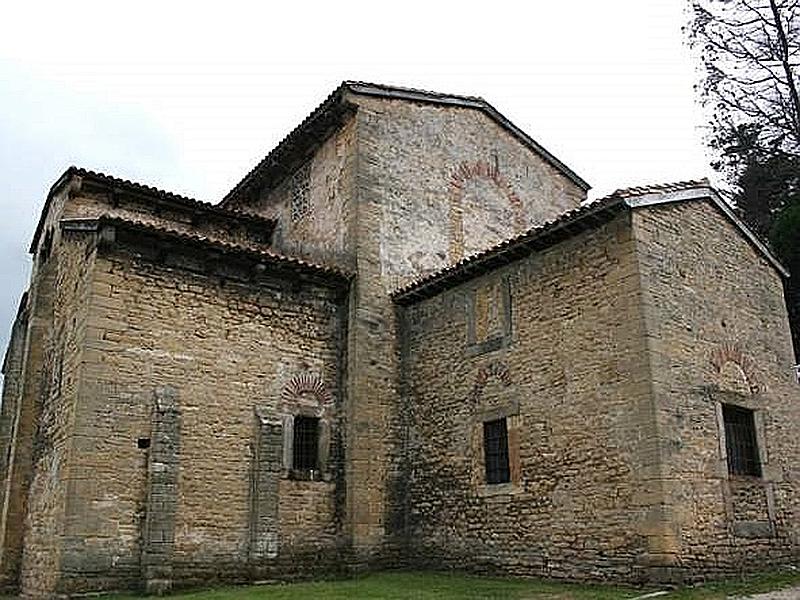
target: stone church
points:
(404, 339)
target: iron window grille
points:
(740, 441)
(495, 446)
(306, 437)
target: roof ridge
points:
(285, 141)
(215, 207)
(82, 171)
(410, 94)
(401, 88)
(654, 188)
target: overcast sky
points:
(188, 96)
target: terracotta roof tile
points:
(511, 249)
(265, 255)
(145, 190)
(564, 225)
(659, 188)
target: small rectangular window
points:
(306, 443)
(740, 441)
(495, 447)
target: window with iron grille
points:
(495, 448)
(299, 186)
(740, 441)
(306, 436)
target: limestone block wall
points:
(324, 233)
(432, 185)
(12, 391)
(70, 265)
(718, 334)
(401, 189)
(452, 183)
(179, 369)
(46, 349)
(555, 344)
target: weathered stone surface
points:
(619, 353)
(159, 362)
(448, 182)
(714, 307)
(572, 377)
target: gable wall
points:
(453, 183)
(324, 235)
(717, 327)
(571, 374)
(432, 184)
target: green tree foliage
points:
(785, 237)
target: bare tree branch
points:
(749, 50)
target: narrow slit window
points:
(306, 444)
(495, 446)
(740, 441)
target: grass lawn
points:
(439, 586)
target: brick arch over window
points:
(304, 385)
(729, 360)
(464, 173)
(307, 411)
(494, 370)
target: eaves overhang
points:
(78, 177)
(105, 227)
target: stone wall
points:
(452, 183)
(69, 265)
(718, 334)
(38, 415)
(555, 344)
(12, 392)
(324, 233)
(399, 190)
(432, 184)
(224, 351)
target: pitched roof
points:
(662, 188)
(143, 190)
(701, 189)
(571, 223)
(334, 110)
(536, 238)
(265, 256)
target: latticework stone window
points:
(300, 192)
